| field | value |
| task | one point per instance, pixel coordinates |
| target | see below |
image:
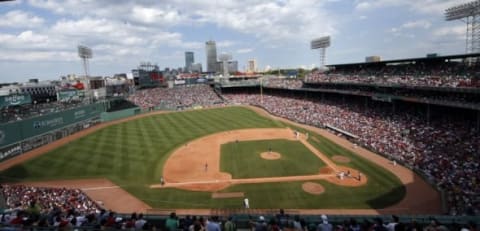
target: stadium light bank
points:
(321, 43)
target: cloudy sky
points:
(38, 38)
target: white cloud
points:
(29, 40)
(108, 38)
(225, 43)
(297, 20)
(272, 21)
(145, 25)
(417, 24)
(244, 50)
(54, 56)
(402, 31)
(365, 6)
(166, 17)
(49, 5)
(456, 31)
(394, 30)
(20, 19)
(424, 6)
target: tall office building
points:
(252, 65)
(211, 50)
(196, 67)
(189, 60)
(232, 66)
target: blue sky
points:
(38, 38)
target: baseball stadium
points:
(250, 147)
(385, 145)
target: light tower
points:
(225, 57)
(470, 14)
(85, 53)
(321, 43)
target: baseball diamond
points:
(134, 153)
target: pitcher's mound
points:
(313, 188)
(340, 159)
(270, 155)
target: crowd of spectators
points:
(47, 207)
(440, 97)
(42, 208)
(34, 208)
(286, 83)
(452, 81)
(429, 74)
(179, 96)
(446, 151)
(463, 99)
(283, 221)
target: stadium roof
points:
(421, 59)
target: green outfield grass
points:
(132, 155)
(243, 160)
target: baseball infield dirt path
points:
(420, 197)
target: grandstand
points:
(416, 133)
(419, 117)
(422, 113)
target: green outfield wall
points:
(109, 116)
(14, 132)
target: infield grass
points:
(242, 159)
(132, 155)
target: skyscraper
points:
(252, 65)
(211, 50)
(232, 66)
(189, 60)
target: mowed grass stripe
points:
(190, 124)
(235, 122)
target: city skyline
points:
(38, 38)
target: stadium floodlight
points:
(225, 57)
(85, 53)
(321, 43)
(470, 14)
